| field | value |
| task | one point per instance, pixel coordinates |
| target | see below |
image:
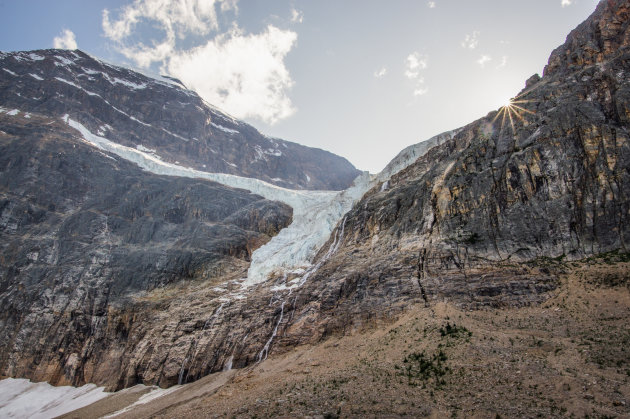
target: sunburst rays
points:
(512, 111)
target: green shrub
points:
(421, 368)
(455, 331)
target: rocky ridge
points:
(161, 117)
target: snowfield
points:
(20, 398)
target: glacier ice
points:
(315, 213)
(20, 398)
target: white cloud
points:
(503, 63)
(244, 74)
(380, 73)
(483, 60)
(297, 16)
(420, 90)
(566, 3)
(66, 40)
(431, 4)
(414, 63)
(471, 41)
(174, 17)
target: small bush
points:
(455, 331)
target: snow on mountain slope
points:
(20, 398)
(161, 114)
(410, 154)
(295, 246)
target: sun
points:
(511, 111)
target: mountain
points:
(476, 220)
(483, 273)
(162, 117)
(109, 201)
(83, 233)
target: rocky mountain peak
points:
(603, 35)
(159, 116)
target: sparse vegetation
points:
(420, 368)
(455, 331)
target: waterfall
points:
(265, 350)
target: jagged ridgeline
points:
(118, 276)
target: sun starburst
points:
(512, 111)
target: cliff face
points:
(84, 234)
(109, 274)
(162, 117)
(476, 219)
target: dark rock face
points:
(82, 235)
(474, 220)
(160, 116)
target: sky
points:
(360, 78)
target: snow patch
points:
(412, 153)
(145, 149)
(22, 56)
(260, 155)
(63, 60)
(13, 112)
(20, 398)
(224, 129)
(73, 85)
(9, 71)
(154, 393)
(35, 76)
(116, 80)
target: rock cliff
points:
(477, 218)
(83, 234)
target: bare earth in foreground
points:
(568, 357)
